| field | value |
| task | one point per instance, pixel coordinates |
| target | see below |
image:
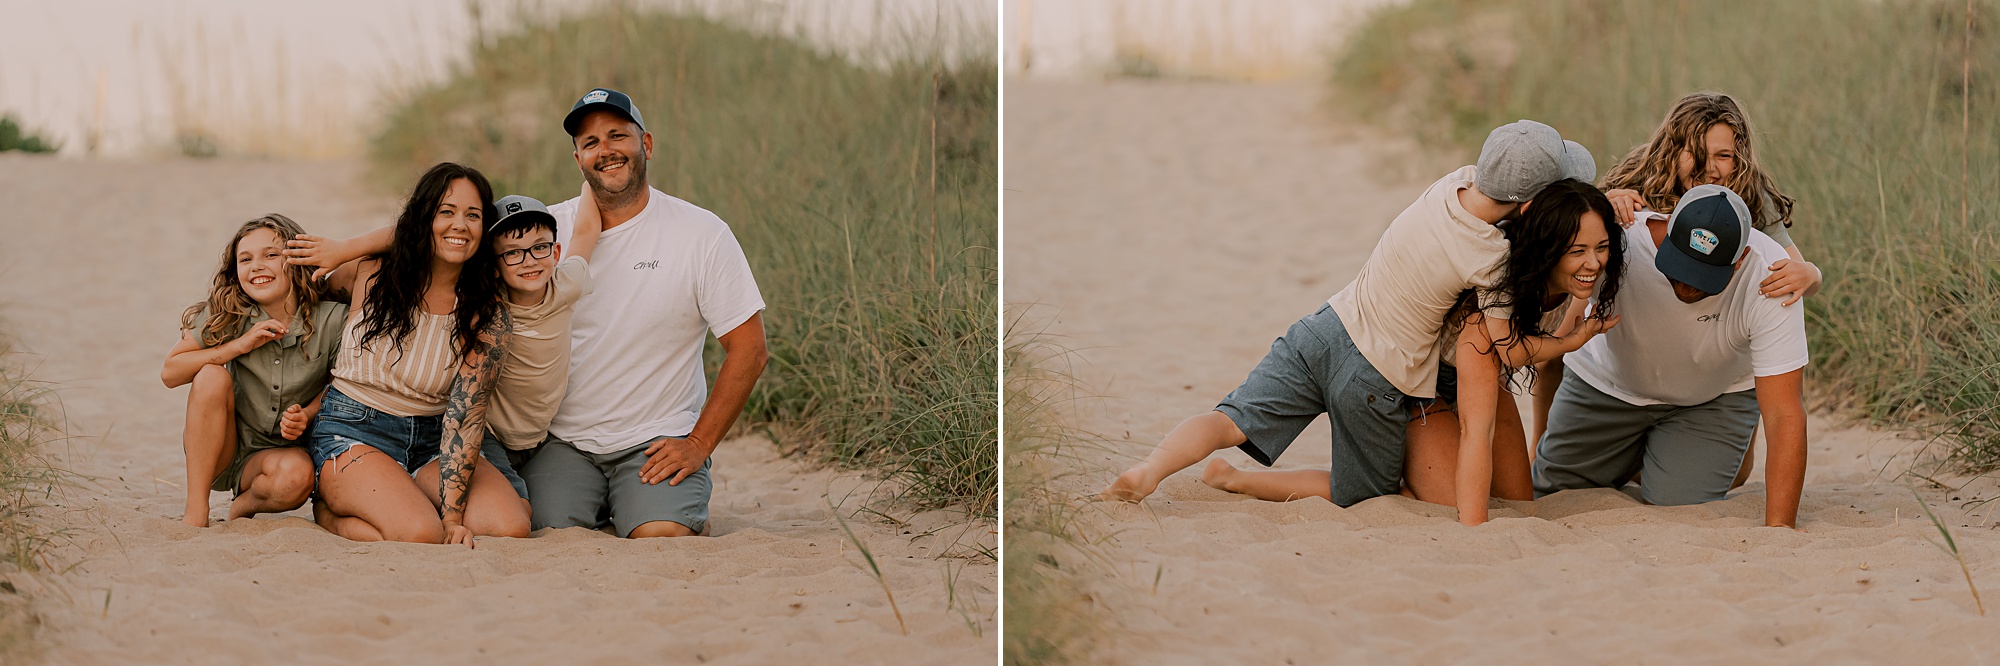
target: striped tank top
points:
(416, 382)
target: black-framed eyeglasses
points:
(538, 251)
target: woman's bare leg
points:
(274, 481)
(209, 437)
(367, 485)
(492, 508)
(1273, 485)
(348, 527)
(1430, 457)
(1187, 444)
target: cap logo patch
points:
(595, 96)
(513, 206)
(1703, 241)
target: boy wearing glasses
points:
(543, 285)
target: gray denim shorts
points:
(574, 488)
(1689, 455)
(1316, 369)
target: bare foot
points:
(1134, 485)
(196, 514)
(1220, 475)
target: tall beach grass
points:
(1051, 617)
(1862, 112)
(864, 196)
(28, 481)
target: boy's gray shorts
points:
(1689, 455)
(1315, 369)
(573, 488)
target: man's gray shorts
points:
(1315, 369)
(1689, 455)
(573, 488)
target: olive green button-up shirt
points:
(281, 373)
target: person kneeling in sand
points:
(1677, 391)
(424, 342)
(1369, 357)
(632, 439)
(542, 287)
(1565, 249)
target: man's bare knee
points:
(660, 528)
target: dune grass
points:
(28, 481)
(1051, 617)
(1863, 114)
(865, 198)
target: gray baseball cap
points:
(1709, 231)
(516, 211)
(1522, 157)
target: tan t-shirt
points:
(1395, 307)
(536, 372)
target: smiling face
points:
(1720, 144)
(1576, 274)
(260, 268)
(531, 275)
(455, 226)
(612, 153)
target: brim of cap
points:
(1676, 264)
(521, 219)
(576, 115)
(1577, 163)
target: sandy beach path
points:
(1171, 230)
(96, 261)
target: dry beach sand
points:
(1168, 231)
(96, 261)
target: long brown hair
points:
(1649, 168)
(229, 306)
(398, 287)
(1536, 244)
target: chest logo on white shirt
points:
(646, 265)
(1710, 317)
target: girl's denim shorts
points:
(343, 422)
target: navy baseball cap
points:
(516, 211)
(601, 98)
(1709, 231)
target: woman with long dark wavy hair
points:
(1565, 258)
(424, 340)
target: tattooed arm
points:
(465, 422)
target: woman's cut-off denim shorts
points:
(343, 423)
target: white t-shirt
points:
(660, 283)
(1666, 352)
(1395, 307)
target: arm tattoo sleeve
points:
(465, 414)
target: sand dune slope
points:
(1171, 230)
